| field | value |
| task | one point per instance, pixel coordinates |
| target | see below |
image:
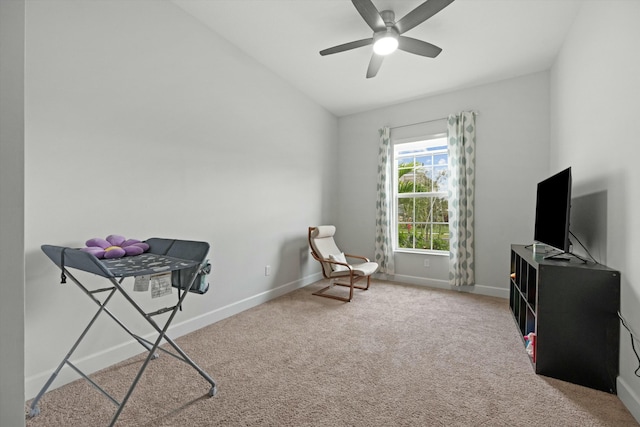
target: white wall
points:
(512, 156)
(12, 213)
(594, 112)
(140, 121)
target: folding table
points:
(188, 266)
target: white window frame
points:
(435, 140)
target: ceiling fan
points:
(387, 32)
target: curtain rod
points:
(477, 113)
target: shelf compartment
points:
(532, 286)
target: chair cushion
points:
(323, 231)
(364, 269)
(339, 258)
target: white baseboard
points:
(103, 359)
(628, 398)
(444, 284)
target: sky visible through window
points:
(433, 158)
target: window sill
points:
(421, 252)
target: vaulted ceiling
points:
(482, 41)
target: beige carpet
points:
(395, 356)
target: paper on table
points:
(160, 285)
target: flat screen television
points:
(553, 206)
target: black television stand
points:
(572, 307)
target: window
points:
(420, 200)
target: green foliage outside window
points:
(422, 220)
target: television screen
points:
(553, 205)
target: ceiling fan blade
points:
(370, 14)
(374, 65)
(418, 47)
(420, 14)
(346, 46)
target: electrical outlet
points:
(426, 262)
(267, 270)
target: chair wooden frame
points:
(334, 280)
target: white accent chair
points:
(334, 263)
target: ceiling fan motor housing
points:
(386, 41)
(388, 17)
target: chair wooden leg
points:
(348, 285)
(321, 293)
(351, 285)
(364, 288)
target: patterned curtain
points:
(384, 250)
(461, 135)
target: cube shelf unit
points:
(572, 307)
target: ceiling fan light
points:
(385, 45)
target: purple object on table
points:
(114, 246)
